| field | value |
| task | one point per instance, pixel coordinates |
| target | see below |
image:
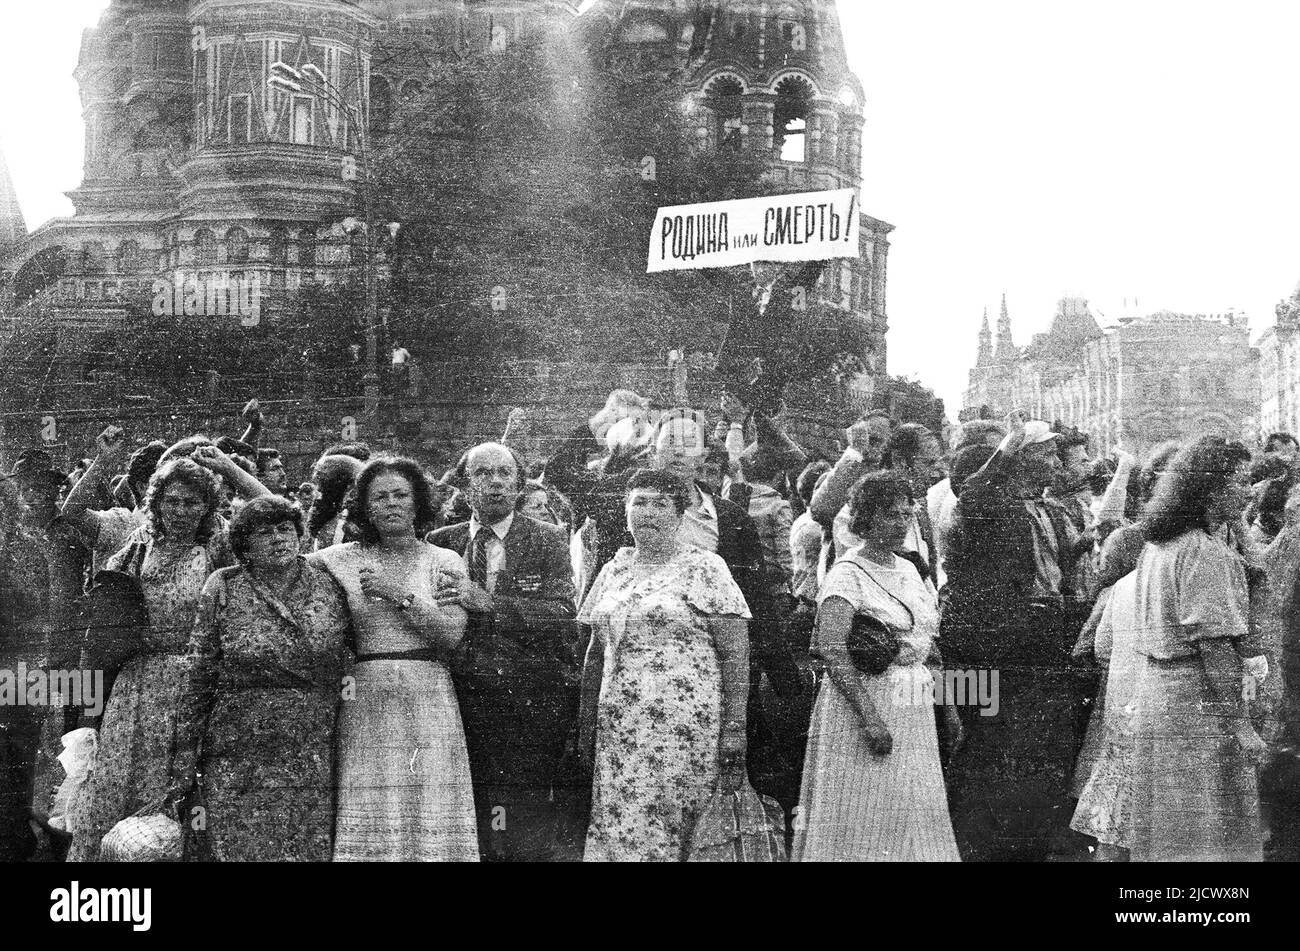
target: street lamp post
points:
(286, 77)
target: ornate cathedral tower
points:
(985, 357)
(12, 226)
(771, 79)
(1006, 349)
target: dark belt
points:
(425, 653)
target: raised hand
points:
(111, 443)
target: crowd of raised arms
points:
(986, 644)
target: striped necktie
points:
(478, 562)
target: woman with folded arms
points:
(404, 784)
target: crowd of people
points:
(977, 645)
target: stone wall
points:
(450, 413)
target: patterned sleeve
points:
(1212, 594)
(710, 588)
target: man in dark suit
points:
(516, 669)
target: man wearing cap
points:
(1005, 616)
(42, 562)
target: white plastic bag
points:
(77, 758)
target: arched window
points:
(790, 119)
(279, 245)
(237, 246)
(307, 247)
(725, 101)
(128, 257)
(381, 105)
(205, 247)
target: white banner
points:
(811, 226)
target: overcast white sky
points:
(1144, 149)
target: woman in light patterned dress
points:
(873, 789)
(183, 542)
(404, 782)
(665, 684)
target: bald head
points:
(493, 477)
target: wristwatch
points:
(406, 603)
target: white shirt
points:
(700, 525)
(942, 505)
(400, 356)
(495, 546)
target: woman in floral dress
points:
(665, 684)
(182, 543)
(260, 703)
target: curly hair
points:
(257, 513)
(873, 491)
(358, 503)
(334, 477)
(1201, 471)
(556, 503)
(663, 481)
(190, 474)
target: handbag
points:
(872, 644)
(115, 618)
(739, 826)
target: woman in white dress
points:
(404, 785)
(873, 789)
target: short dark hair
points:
(905, 444)
(806, 484)
(1271, 443)
(660, 480)
(1100, 475)
(144, 461)
(1069, 437)
(976, 431)
(257, 513)
(871, 492)
(410, 470)
(966, 463)
(188, 473)
(556, 503)
(1200, 471)
(334, 477)
(1265, 468)
(265, 457)
(237, 447)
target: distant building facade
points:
(1149, 379)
